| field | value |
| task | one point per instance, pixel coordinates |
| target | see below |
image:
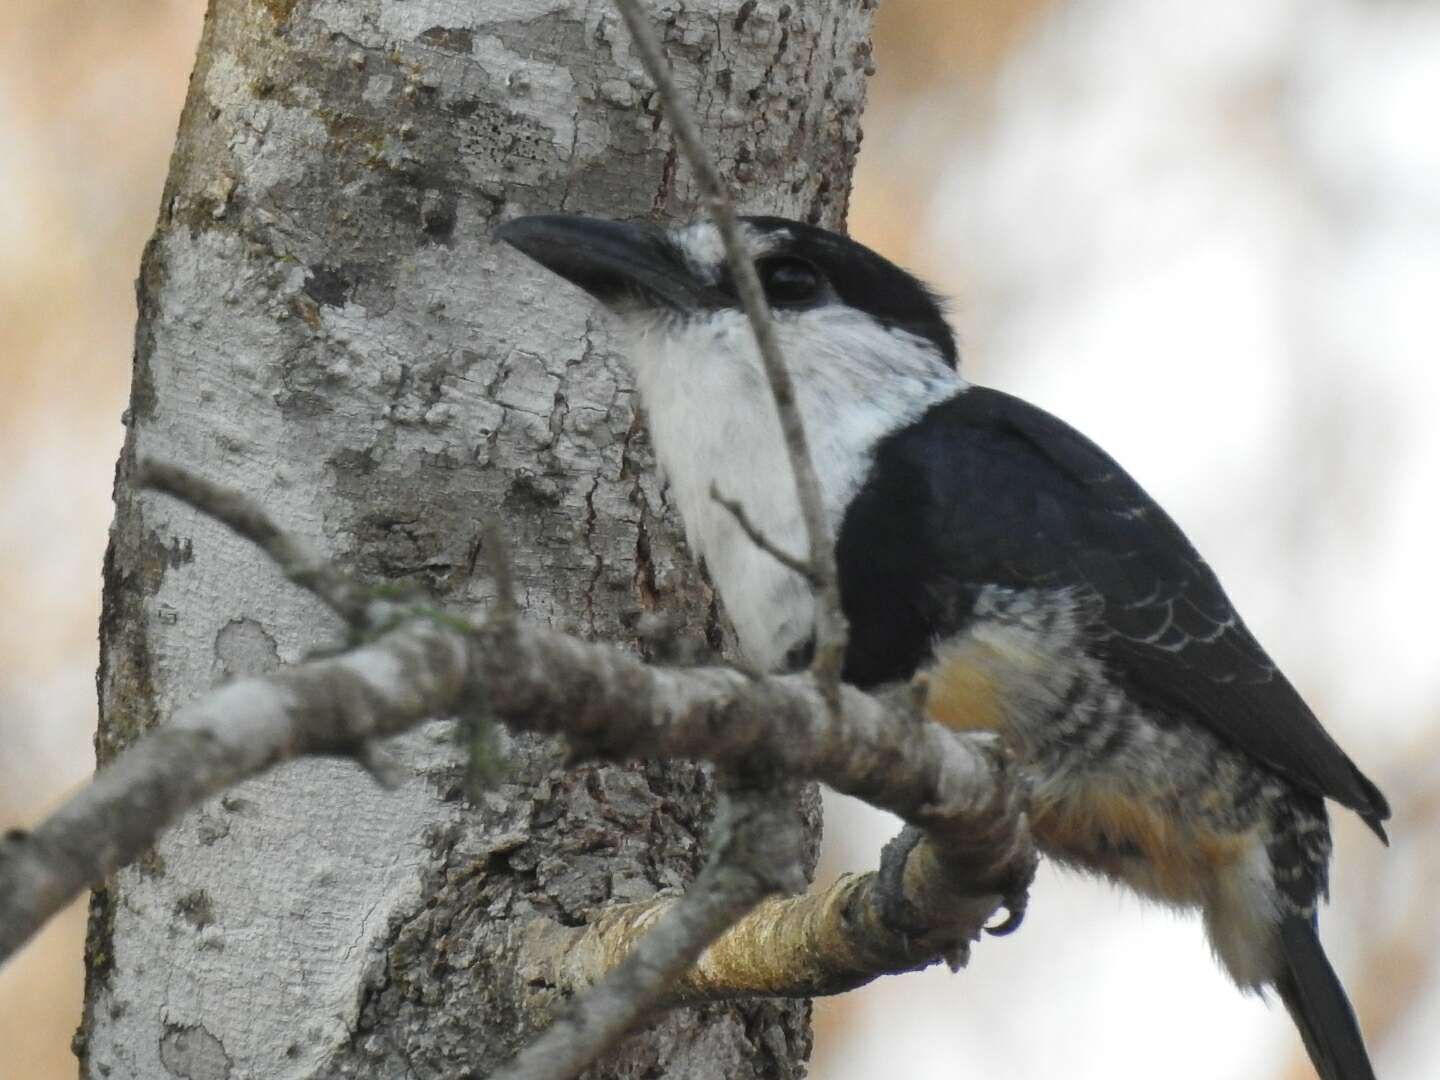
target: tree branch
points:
(609, 705)
(830, 628)
(828, 941)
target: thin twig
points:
(830, 627)
(760, 540)
(755, 847)
(304, 568)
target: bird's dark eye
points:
(788, 281)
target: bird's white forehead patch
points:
(704, 252)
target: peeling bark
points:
(325, 326)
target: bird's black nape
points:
(864, 280)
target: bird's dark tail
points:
(1317, 1002)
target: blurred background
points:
(1206, 234)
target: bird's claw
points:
(1014, 898)
(1014, 915)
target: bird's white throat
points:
(713, 422)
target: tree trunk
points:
(325, 325)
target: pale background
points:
(1207, 234)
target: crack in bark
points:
(588, 538)
(668, 169)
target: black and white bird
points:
(992, 549)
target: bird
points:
(990, 550)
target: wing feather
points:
(988, 490)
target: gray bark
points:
(325, 326)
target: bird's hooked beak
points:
(624, 266)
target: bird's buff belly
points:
(1125, 815)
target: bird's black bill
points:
(618, 263)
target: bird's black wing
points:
(988, 491)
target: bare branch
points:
(830, 628)
(304, 568)
(610, 705)
(606, 701)
(829, 941)
(754, 851)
